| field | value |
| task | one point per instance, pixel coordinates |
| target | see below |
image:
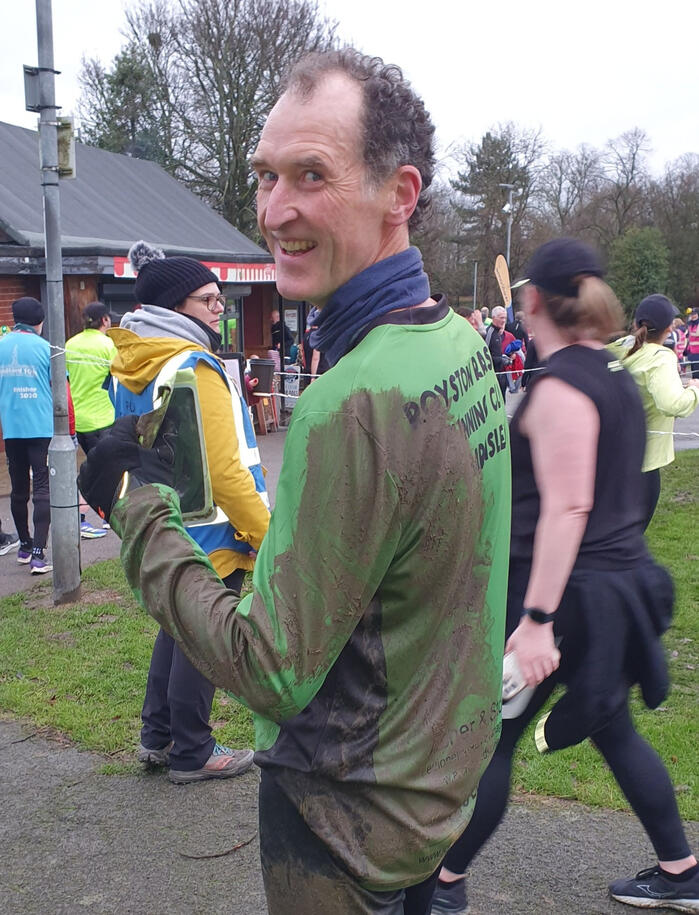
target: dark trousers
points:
(651, 494)
(637, 768)
(693, 359)
(302, 878)
(178, 701)
(88, 440)
(23, 455)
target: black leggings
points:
(651, 494)
(23, 455)
(637, 768)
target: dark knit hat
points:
(553, 265)
(28, 311)
(166, 281)
(656, 312)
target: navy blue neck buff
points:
(396, 282)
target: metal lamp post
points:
(65, 523)
(508, 209)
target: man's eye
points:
(267, 177)
(311, 177)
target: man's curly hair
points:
(397, 127)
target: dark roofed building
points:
(113, 201)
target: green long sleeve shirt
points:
(371, 646)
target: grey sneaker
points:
(8, 542)
(151, 759)
(223, 763)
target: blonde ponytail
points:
(594, 313)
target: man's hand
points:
(117, 453)
(536, 650)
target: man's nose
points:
(280, 207)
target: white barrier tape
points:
(96, 361)
(658, 432)
(509, 416)
(538, 368)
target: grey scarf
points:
(154, 321)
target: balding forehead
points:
(298, 123)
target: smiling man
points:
(371, 646)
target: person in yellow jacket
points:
(654, 368)
(177, 327)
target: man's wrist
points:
(538, 616)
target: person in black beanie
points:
(177, 327)
(26, 414)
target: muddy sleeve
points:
(333, 533)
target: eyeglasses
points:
(210, 300)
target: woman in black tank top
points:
(586, 602)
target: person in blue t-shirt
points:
(26, 415)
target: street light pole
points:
(65, 519)
(508, 210)
(475, 283)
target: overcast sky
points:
(583, 72)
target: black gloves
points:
(101, 477)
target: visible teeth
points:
(297, 245)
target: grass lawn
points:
(81, 669)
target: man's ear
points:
(405, 186)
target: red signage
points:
(227, 273)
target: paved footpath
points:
(73, 840)
(76, 841)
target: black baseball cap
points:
(95, 311)
(28, 310)
(553, 265)
(656, 312)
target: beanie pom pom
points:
(141, 253)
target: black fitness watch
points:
(538, 616)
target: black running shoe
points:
(650, 889)
(450, 898)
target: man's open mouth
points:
(296, 246)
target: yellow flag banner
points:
(502, 275)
